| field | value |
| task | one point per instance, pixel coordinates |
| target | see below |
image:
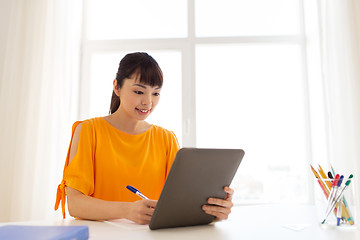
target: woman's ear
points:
(116, 88)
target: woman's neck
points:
(126, 124)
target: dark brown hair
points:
(137, 63)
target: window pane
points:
(246, 17)
(251, 96)
(168, 112)
(123, 19)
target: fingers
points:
(147, 206)
(220, 208)
(220, 213)
(142, 211)
(229, 193)
(150, 203)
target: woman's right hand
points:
(141, 211)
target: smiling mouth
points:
(144, 110)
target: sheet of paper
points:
(296, 227)
(127, 224)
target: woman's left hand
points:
(223, 206)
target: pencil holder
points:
(337, 206)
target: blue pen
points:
(137, 192)
(339, 212)
(336, 189)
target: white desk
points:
(245, 222)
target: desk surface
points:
(245, 222)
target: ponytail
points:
(115, 103)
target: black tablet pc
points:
(195, 175)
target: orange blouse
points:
(107, 160)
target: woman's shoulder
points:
(163, 131)
(160, 129)
(90, 123)
(166, 136)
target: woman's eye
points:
(156, 94)
(138, 92)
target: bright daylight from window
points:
(248, 74)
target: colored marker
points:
(332, 192)
(336, 190)
(346, 211)
(322, 185)
(336, 200)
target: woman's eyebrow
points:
(139, 85)
(143, 86)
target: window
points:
(123, 19)
(234, 78)
(215, 18)
(253, 98)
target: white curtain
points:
(39, 72)
(340, 58)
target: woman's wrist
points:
(124, 209)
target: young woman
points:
(108, 153)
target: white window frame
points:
(187, 47)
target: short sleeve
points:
(79, 174)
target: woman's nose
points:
(146, 101)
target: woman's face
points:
(136, 99)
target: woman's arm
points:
(87, 207)
(223, 208)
